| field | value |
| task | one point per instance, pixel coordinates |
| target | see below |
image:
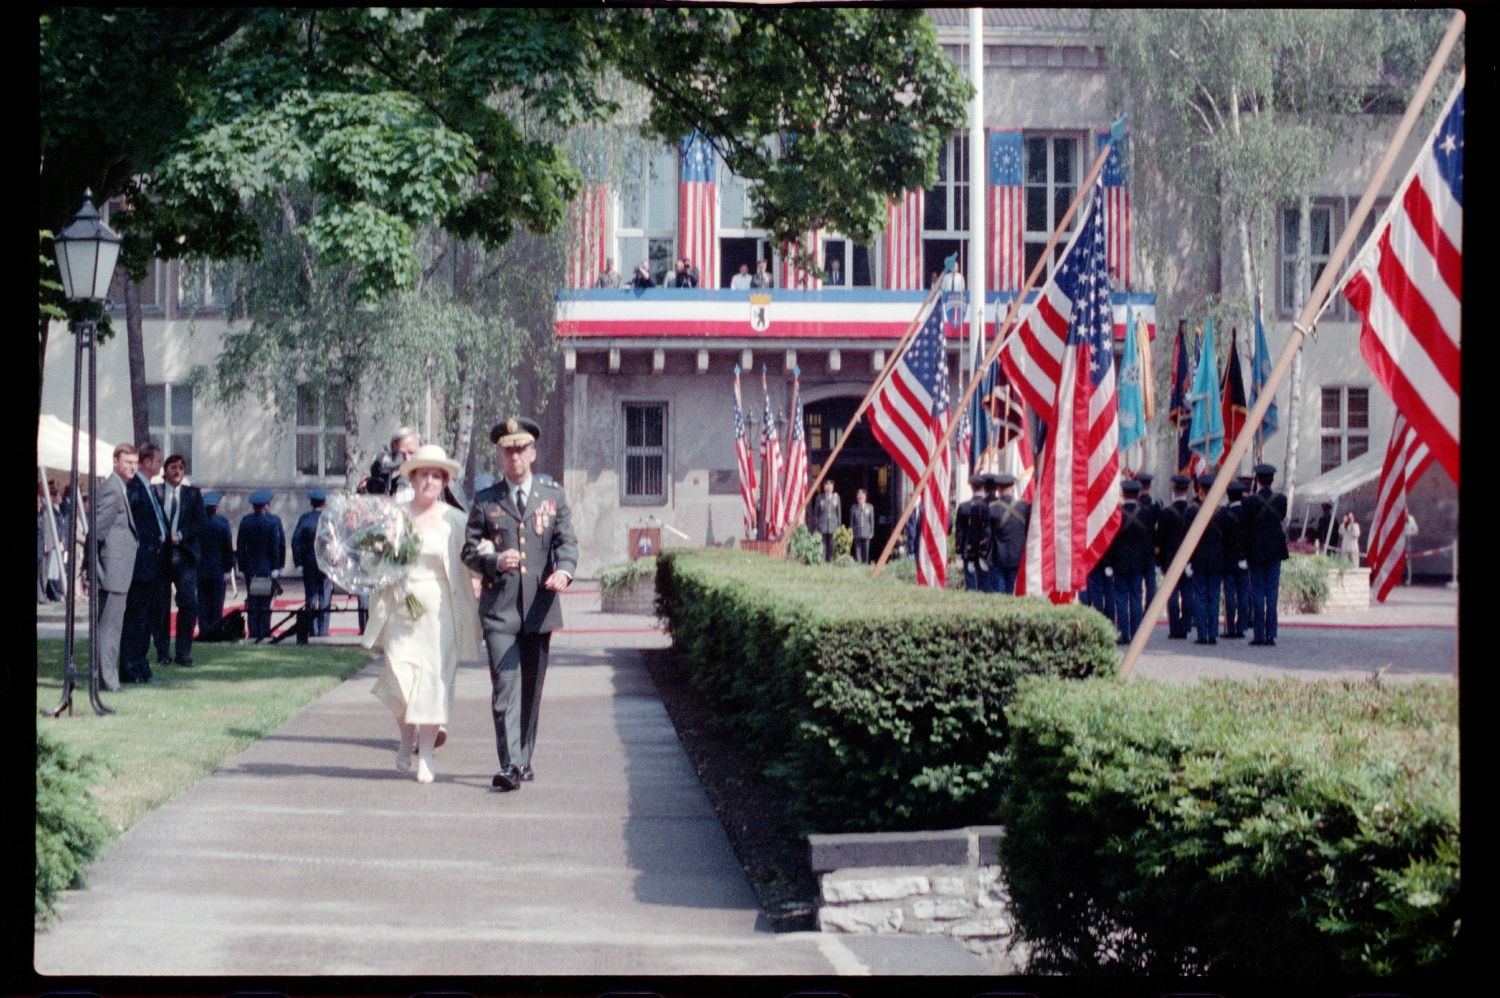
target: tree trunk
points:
(136, 349)
(463, 433)
(353, 459)
(1294, 395)
(1247, 266)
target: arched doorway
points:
(861, 464)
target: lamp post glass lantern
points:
(87, 251)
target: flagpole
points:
(1006, 329)
(1300, 329)
(864, 403)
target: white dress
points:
(421, 655)
(1349, 543)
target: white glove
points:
(1109, 573)
(1244, 564)
(968, 566)
(275, 573)
(485, 546)
(1189, 571)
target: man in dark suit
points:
(262, 551)
(1265, 550)
(117, 548)
(520, 540)
(182, 508)
(1008, 519)
(1171, 527)
(318, 587)
(143, 605)
(215, 557)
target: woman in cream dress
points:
(1349, 538)
(422, 654)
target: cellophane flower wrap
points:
(366, 544)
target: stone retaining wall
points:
(923, 883)
(639, 598)
(1348, 590)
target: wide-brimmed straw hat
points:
(430, 456)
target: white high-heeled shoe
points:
(424, 769)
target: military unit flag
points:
(1232, 391)
(1132, 401)
(1007, 247)
(1206, 436)
(1260, 373)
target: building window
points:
(1345, 424)
(945, 221)
(204, 285)
(1050, 167)
(320, 436)
(648, 210)
(740, 243)
(150, 287)
(169, 419)
(645, 452)
(1327, 218)
(856, 267)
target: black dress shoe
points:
(506, 779)
(186, 663)
(1200, 641)
(1256, 641)
(526, 774)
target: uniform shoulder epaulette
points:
(545, 479)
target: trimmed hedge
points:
(1280, 828)
(70, 830)
(876, 704)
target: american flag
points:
(909, 416)
(1117, 205)
(745, 460)
(794, 492)
(1007, 215)
(770, 457)
(590, 236)
(903, 243)
(1078, 506)
(1406, 458)
(699, 210)
(793, 276)
(1407, 286)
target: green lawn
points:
(165, 737)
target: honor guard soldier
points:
(1208, 566)
(217, 551)
(262, 551)
(970, 533)
(1265, 550)
(1130, 556)
(1171, 528)
(1008, 520)
(317, 587)
(1236, 568)
(1147, 499)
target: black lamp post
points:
(87, 251)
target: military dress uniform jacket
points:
(216, 549)
(1171, 527)
(1008, 519)
(1265, 539)
(828, 513)
(304, 546)
(970, 536)
(1131, 549)
(517, 602)
(262, 545)
(862, 521)
(1209, 555)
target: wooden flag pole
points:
(1300, 328)
(1085, 189)
(864, 403)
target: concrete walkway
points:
(308, 854)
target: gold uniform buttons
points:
(523, 569)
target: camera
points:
(382, 480)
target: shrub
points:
(70, 830)
(843, 542)
(1304, 582)
(619, 579)
(876, 705)
(805, 546)
(1283, 828)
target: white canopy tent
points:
(54, 452)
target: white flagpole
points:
(978, 183)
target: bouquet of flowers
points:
(366, 543)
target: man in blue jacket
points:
(143, 603)
(262, 552)
(215, 557)
(319, 587)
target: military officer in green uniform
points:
(520, 541)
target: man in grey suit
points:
(117, 546)
(520, 540)
(828, 515)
